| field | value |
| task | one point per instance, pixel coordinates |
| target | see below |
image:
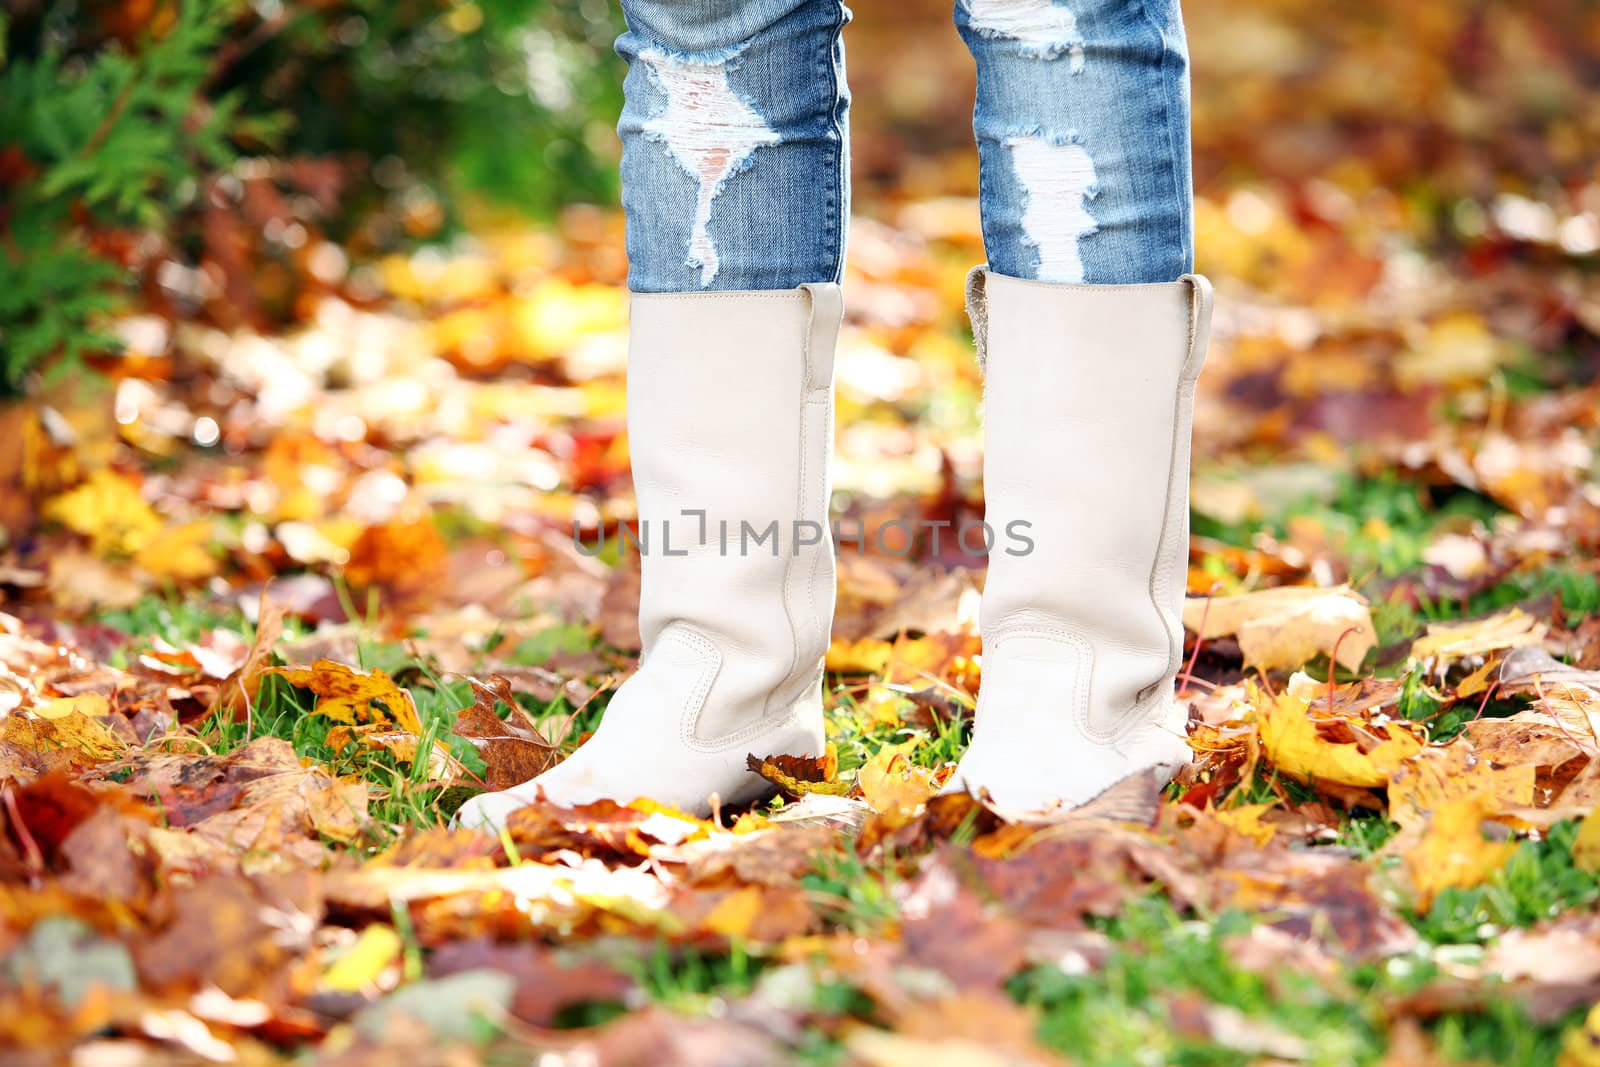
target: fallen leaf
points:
(80, 737)
(513, 751)
(237, 694)
(346, 695)
(1444, 774)
(1586, 846)
(800, 775)
(893, 786)
(1284, 628)
(180, 553)
(90, 704)
(1452, 851)
(110, 511)
(358, 967)
(1351, 752)
(1447, 642)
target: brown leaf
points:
(946, 927)
(798, 775)
(774, 856)
(236, 933)
(513, 751)
(237, 694)
(50, 808)
(603, 827)
(545, 983)
(106, 859)
(764, 914)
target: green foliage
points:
(503, 98)
(121, 120)
(96, 142)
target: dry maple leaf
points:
(945, 926)
(1444, 774)
(110, 511)
(1304, 745)
(403, 746)
(753, 913)
(64, 732)
(1451, 850)
(404, 556)
(798, 775)
(513, 751)
(346, 695)
(893, 786)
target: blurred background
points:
(336, 288)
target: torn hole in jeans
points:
(709, 129)
(1043, 29)
(1058, 178)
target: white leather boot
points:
(730, 428)
(1088, 399)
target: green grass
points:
(1122, 1013)
(180, 621)
(849, 895)
(1407, 515)
(858, 735)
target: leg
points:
(1082, 121)
(1091, 343)
(734, 186)
(735, 171)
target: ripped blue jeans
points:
(735, 135)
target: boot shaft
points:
(730, 424)
(1088, 401)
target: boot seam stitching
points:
(799, 505)
(1081, 648)
(1128, 718)
(765, 724)
(689, 715)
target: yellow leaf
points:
(866, 656)
(556, 315)
(73, 730)
(1245, 820)
(1295, 747)
(108, 509)
(1286, 627)
(347, 695)
(1452, 851)
(893, 786)
(735, 913)
(1448, 641)
(359, 967)
(180, 553)
(1580, 1046)
(91, 704)
(1444, 774)
(339, 812)
(1586, 847)
(1457, 347)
